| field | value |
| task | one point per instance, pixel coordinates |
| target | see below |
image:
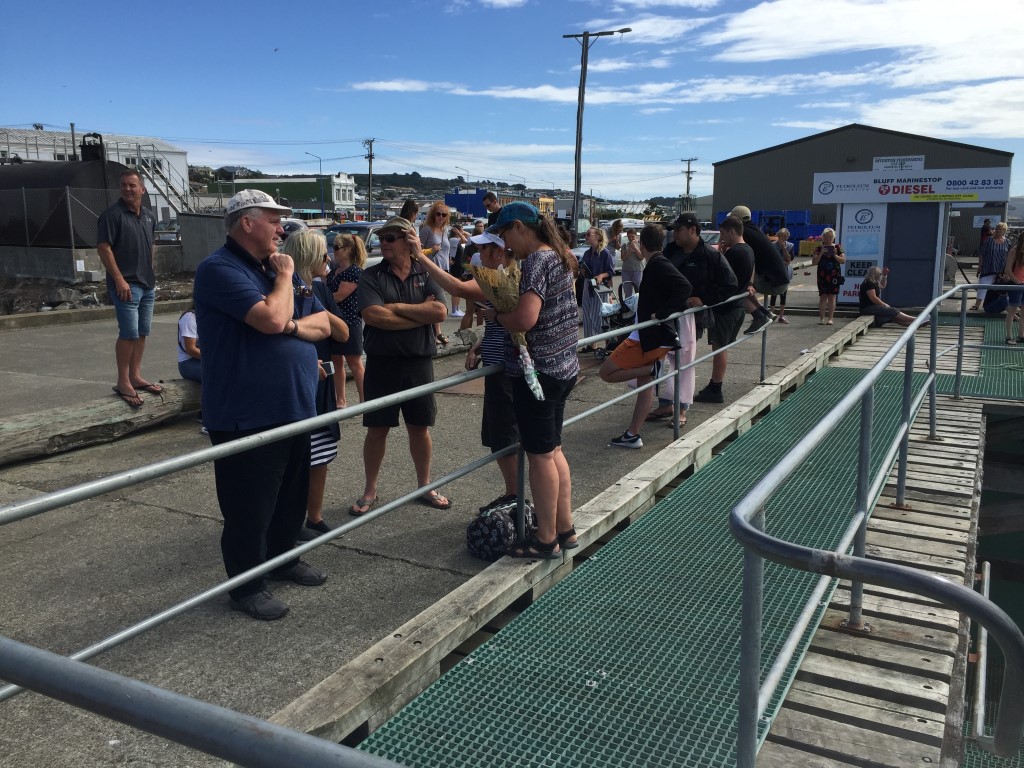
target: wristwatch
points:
(295, 329)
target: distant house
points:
(301, 192)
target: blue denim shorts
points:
(134, 317)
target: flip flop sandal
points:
(655, 416)
(134, 401)
(434, 499)
(155, 389)
(443, 340)
(356, 510)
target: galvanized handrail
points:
(746, 522)
(49, 668)
(242, 739)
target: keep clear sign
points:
(862, 235)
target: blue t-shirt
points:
(251, 380)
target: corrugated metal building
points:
(782, 177)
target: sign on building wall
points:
(990, 185)
(862, 235)
(898, 163)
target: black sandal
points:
(533, 548)
(564, 539)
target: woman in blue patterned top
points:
(548, 315)
(349, 260)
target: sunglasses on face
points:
(390, 237)
(442, 215)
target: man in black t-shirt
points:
(769, 268)
(399, 303)
(490, 202)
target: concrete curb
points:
(71, 316)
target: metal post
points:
(867, 409)
(960, 346)
(71, 228)
(320, 179)
(933, 364)
(24, 206)
(520, 494)
(908, 374)
(764, 355)
(750, 651)
(677, 385)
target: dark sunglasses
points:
(438, 213)
(390, 238)
(326, 257)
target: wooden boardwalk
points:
(894, 697)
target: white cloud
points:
(654, 110)
(620, 65)
(503, 3)
(400, 86)
(619, 5)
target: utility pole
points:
(585, 42)
(689, 175)
(320, 179)
(368, 143)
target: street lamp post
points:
(584, 38)
(457, 168)
(320, 178)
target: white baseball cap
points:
(486, 238)
(254, 198)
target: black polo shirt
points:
(131, 239)
(379, 286)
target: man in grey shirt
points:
(125, 233)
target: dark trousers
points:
(262, 495)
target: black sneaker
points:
(626, 440)
(310, 531)
(261, 605)
(301, 573)
(757, 324)
(710, 394)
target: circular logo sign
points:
(883, 189)
(826, 187)
(864, 216)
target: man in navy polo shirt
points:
(124, 240)
(259, 371)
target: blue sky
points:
(487, 88)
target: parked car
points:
(711, 237)
(291, 226)
(168, 231)
(365, 229)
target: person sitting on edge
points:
(871, 300)
(664, 292)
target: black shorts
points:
(498, 427)
(727, 326)
(540, 421)
(391, 375)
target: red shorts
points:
(629, 354)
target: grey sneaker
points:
(301, 573)
(261, 605)
(757, 324)
(626, 440)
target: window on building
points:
(61, 156)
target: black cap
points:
(687, 219)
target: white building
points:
(164, 166)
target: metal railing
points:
(747, 524)
(171, 714)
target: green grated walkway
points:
(1002, 370)
(633, 659)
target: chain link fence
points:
(58, 217)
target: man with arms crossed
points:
(399, 303)
(124, 239)
(260, 371)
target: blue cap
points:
(523, 212)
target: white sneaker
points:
(204, 431)
(458, 313)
